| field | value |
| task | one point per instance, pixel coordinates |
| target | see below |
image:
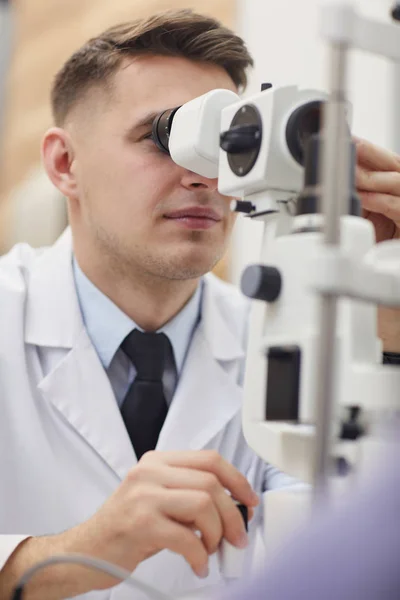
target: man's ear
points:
(58, 158)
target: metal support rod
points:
(394, 111)
(335, 202)
(5, 52)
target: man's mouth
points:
(195, 217)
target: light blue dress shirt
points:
(107, 327)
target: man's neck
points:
(150, 302)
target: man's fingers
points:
(197, 510)
(231, 525)
(232, 521)
(182, 540)
(383, 182)
(376, 158)
(212, 462)
(385, 204)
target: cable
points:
(231, 564)
(94, 563)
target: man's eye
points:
(148, 136)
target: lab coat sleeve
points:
(8, 544)
(274, 479)
(266, 479)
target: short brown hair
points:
(170, 33)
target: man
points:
(144, 234)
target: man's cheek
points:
(232, 216)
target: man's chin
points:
(186, 272)
(189, 269)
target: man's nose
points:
(193, 181)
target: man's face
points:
(133, 204)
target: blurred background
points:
(282, 35)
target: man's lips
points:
(194, 212)
(195, 217)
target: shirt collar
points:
(107, 325)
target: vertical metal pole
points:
(394, 108)
(5, 52)
(335, 201)
(395, 88)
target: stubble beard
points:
(134, 262)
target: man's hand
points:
(163, 502)
(378, 186)
(170, 500)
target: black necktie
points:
(144, 408)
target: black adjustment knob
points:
(243, 206)
(261, 283)
(342, 466)
(266, 86)
(240, 138)
(352, 428)
(396, 11)
(244, 511)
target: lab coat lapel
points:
(208, 395)
(77, 385)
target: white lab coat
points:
(63, 445)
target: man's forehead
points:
(154, 83)
(161, 69)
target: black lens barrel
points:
(161, 129)
(302, 124)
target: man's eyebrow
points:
(145, 121)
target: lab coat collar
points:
(206, 399)
(80, 391)
(208, 395)
(53, 317)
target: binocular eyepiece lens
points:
(304, 122)
(162, 128)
